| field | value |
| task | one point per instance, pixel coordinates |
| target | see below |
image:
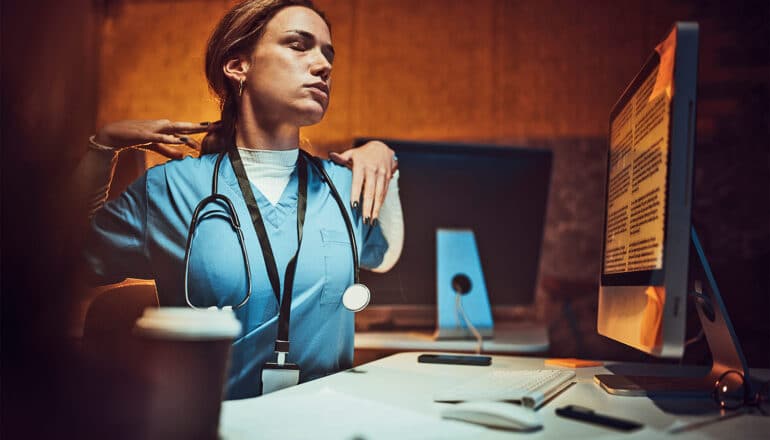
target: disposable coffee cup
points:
(185, 357)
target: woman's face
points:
(289, 78)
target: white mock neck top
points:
(269, 170)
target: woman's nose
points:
(321, 66)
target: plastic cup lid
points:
(188, 324)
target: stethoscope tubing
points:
(236, 225)
(343, 210)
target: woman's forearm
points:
(93, 177)
(94, 173)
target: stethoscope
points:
(355, 298)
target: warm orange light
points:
(652, 317)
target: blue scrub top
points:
(143, 234)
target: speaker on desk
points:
(458, 272)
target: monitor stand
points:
(723, 343)
(461, 292)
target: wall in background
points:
(436, 69)
(433, 69)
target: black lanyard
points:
(284, 315)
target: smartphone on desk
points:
(454, 359)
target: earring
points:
(240, 87)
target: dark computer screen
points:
(498, 192)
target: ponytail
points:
(222, 136)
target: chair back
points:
(111, 316)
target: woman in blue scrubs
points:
(270, 63)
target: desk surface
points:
(392, 398)
(509, 338)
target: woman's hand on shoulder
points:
(373, 165)
(159, 135)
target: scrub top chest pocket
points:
(338, 264)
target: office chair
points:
(111, 316)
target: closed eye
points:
(302, 41)
(298, 45)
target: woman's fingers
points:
(185, 127)
(139, 133)
(358, 182)
(166, 144)
(177, 130)
(372, 166)
(373, 183)
(370, 183)
(380, 188)
(164, 138)
(190, 142)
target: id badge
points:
(277, 377)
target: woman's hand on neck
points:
(254, 133)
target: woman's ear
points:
(235, 69)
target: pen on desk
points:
(588, 415)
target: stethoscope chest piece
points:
(356, 297)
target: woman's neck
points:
(254, 133)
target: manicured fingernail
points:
(183, 138)
(354, 205)
(205, 124)
(374, 222)
(366, 220)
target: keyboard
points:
(531, 388)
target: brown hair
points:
(237, 33)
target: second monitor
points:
(498, 192)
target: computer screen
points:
(653, 261)
(498, 192)
(647, 207)
(636, 183)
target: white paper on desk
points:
(330, 414)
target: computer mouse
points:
(494, 414)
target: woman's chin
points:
(311, 115)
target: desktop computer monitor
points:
(498, 192)
(652, 261)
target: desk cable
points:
(459, 308)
